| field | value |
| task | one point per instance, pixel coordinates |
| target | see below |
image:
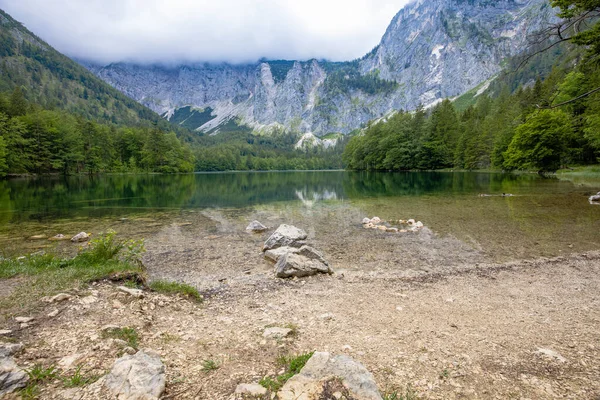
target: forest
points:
(543, 126)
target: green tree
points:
(538, 144)
(3, 164)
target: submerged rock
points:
(325, 374)
(285, 235)
(296, 265)
(80, 237)
(256, 226)
(139, 376)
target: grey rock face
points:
(276, 253)
(285, 235)
(325, 373)
(11, 376)
(432, 48)
(137, 377)
(295, 265)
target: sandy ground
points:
(420, 311)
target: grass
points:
(170, 287)
(38, 374)
(126, 334)
(588, 175)
(293, 365)
(406, 394)
(210, 365)
(47, 274)
(78, 379)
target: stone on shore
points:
(595, 198)
(285, 235)
(256, 227)
(11, 376)
(58, 237)
(133, 292)
(312, 253)
(324, 374)
(250, 389)
(276, 333)
(296, 265)
(137, 377)
(80, 237)
(276, 253)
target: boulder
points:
(137, 377)
(285, 235)
(312, 253)
(276, 253)
(80, 237)
(256, 227)
(11, 376)
(325, 374)
(296, 265)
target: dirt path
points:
(474, 334)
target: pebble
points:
(24, 320)
(133, 292)
(53, 314)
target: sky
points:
(235, 31)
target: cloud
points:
(234, 31)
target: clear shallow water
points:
(543, 217)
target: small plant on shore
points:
(169, 287)
(40, 374)
(293, 365)
(108, 247)
(127, 334)
(445, 374)
(407, 394)
(78, 379)
(30, 392)
(210, 365)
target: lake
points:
(542, 217)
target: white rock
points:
(80, 237)
(366, 221)
(11, 376)
(88, 300)
(53, 314)
(276, 333)
(5, 332)
(325, 373)
(24, 320)
(67, 362)
(59, 297)
(137, 377)
(256, 226)
(133, 292)
(250, 389)
(376, 220)
(551, 354)
(285, 235)
(276, 253)
(326, 316)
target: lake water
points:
(543, 217)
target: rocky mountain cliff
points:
(432, 49)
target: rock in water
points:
(285, 235)
(137, 377)
(290, 265)
(256, 226)
(11, 376)
(324, 372)
(80, 237)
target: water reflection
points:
(60, 197)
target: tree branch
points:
(569, 101)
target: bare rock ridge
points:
(431, 50)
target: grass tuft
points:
(293, 365)
(78, 379)
(169, 287)
(210, 365)
(127, 334)
(407, 394)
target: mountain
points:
(54, 81)
(433, 49)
